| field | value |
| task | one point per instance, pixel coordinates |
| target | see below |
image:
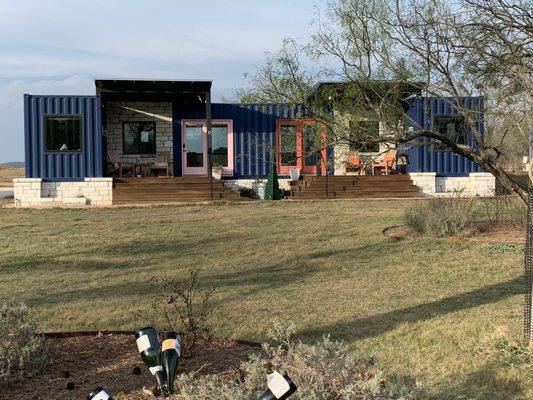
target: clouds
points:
(11, 108)
(60, 46)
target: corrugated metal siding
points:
(424, 156)
(63, 166)
(254, 133)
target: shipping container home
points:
(141, 140)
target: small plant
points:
(513, 352)
(508, 349)
(326, 370)
(247, 192)
(22, 351)
(506, 210)
(505, 248)
(186, 308)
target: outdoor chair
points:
(161, 164)
(355, 164)
(385, 165)
(118, 167)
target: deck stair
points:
(352, 187)
(168, 190)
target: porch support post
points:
(209, 140)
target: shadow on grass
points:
(268, 277)
(482, 384)
(378, 324)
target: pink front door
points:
(194, 148)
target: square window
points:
(453, 127)
(63, 133)
(139, 137)
(364, 136)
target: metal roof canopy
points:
(186, 91)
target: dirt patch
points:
(485, 232)
(400, 232)
(489, 232)
(108, 361)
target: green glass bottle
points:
(280, 387)
(171, 351)
(150, 350)
(99, 394)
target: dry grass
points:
(7, 174)
(429, 309)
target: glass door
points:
(288, 147)
(194, 145)
(311, 155)
(299, 146)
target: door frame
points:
(300, 124)
(202, 171)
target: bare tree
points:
(386, 51)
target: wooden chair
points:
(161, 164)
(354, 163)
(118, 166)
(386, 163)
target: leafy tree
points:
(387, 52)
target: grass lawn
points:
(428, 309)
(7, 174)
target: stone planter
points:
(217, 173)
(295, 174)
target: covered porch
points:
(145, 136)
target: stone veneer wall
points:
(476, 184)
(158, 112)
(33, 192)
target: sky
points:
(60, 47)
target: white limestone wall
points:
(118, 112)
(33, 192)
(424, 182)
(480, 184)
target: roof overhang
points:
(193, 91)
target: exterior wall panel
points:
(423, 155)
(254, 132)
(56, 166)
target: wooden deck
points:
(168, 190)
(349, 186)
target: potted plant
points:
(217, 171)
(295, 174)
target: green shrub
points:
(508, 210)
(22, 351)
(327, 370)
(459, 215)
(440, 217)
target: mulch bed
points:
(108, 360)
